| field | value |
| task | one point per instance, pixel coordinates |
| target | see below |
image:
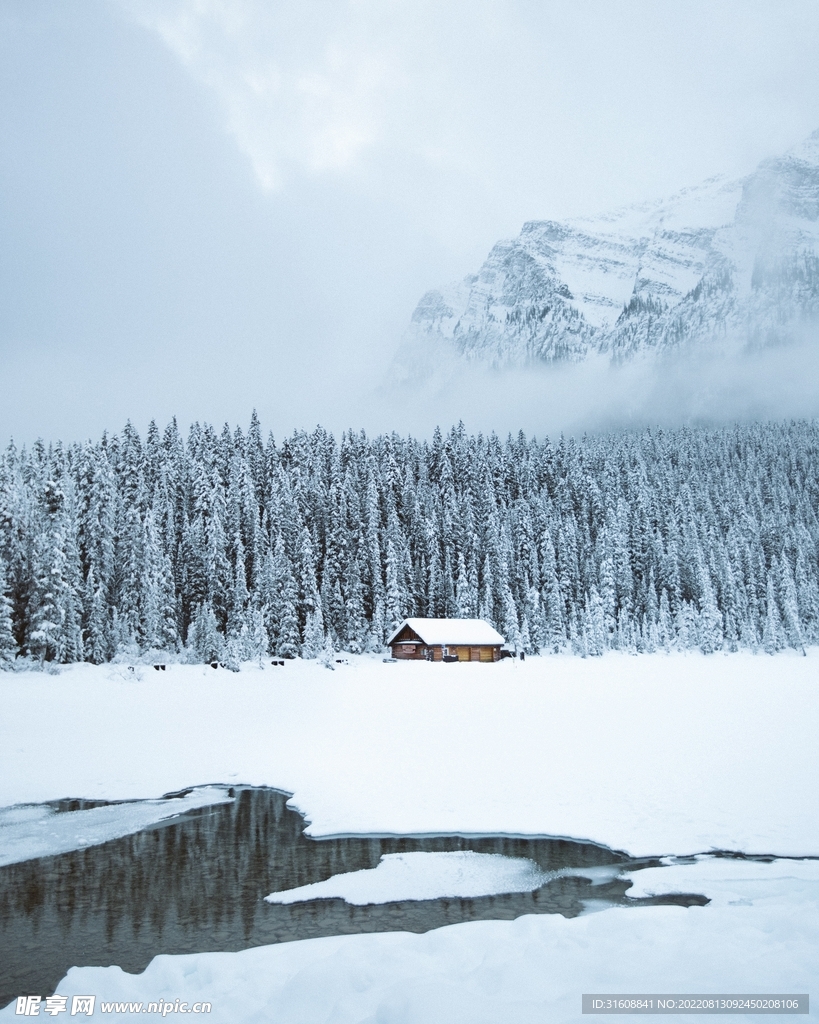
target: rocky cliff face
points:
(726, 261)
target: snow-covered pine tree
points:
(98, 638)
(665, 628)
(239, 595)
(314, 638)
(709, 625)
(355, 624)
(772, 634)
(394, 601)
(790, 606)
(463, 595)
(594, 624)
(8, 645)
(284, 615)
(377, 636)
(807, 591)
(205, 642)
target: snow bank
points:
(424, 876)
(760, 934)
(732, 882)
(655, 754)
(28, 831)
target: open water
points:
(197, 883)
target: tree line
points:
(228, 545)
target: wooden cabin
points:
(445, 640)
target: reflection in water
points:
(197, 883)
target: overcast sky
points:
(211, 205)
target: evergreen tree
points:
(790, 606)
(355, 626)
(608, 601)
(131, 563)
(464, 608)
(257, 643)
(240, 596)
(157, 606)
(99, 643)
(205, 642)
(772, 634)
(665, 629)
(8, 645)
(709, 620)
(555, 632)
(377, 635)
(45, 635)
(594, 624)
(314, 639)
(394, 597)
(807, 591)
(284, 616)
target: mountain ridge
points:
(726, 260)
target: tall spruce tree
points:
(8, 645)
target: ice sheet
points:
(29, 831)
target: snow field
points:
(656, 754)
(760, 934)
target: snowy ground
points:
(652, 754)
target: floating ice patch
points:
(424, 876)
(37, 830)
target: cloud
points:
(215, 204)
(695, 386)
(457, 122)
(519, 95)
(302, 86)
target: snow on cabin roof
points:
(475, 632)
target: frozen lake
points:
(197, 882)
(659, 755)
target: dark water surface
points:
(197, 883)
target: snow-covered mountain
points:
(734, 260)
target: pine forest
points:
(230, 546)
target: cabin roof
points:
(475, 632)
